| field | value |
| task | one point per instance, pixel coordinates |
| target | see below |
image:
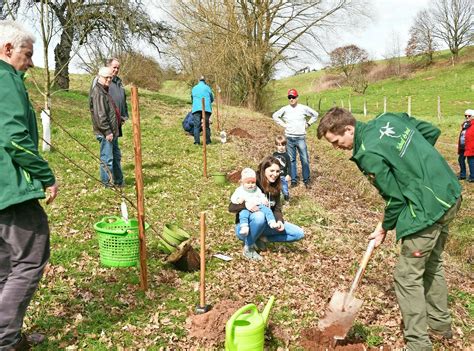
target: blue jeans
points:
(197, 116)
(110, 156)
(245, 214)
(462, 166)
(258, 226)
(293, 144)
(284, 185)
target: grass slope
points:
(81, 305)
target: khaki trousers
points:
(420, 284)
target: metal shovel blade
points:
(340, 314)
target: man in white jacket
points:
(293, 118)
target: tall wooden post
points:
(218, 90)
(365, 108)
(409, 106)
(139, 187)
(384, 104)
(204, 137)
(202, 285)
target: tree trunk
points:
(62, 55)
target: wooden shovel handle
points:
(362, 265)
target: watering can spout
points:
(267, 309)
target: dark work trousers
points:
(24, 252)
(197, 116)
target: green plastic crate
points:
(118, 241)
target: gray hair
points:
(109, 61)
(105, 72)
(13, 33)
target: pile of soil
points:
(314, 339)
(239, 132)
(234, 176)
(210, 327)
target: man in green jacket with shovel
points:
(422, 195)
(24, 177)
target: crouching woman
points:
(268, 180)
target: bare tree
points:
(394, 53)
(453, 23)
(422, 42)
(9, 9)
(117, 20)
(345, 58)
(240, 42)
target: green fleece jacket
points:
(23, 172)
(396, 152)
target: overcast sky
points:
(391, 20)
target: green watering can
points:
(245, 330)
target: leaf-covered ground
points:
(81, 305)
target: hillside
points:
(81, 305)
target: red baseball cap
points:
(292, 92)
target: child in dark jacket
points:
(466, 147)
(282, 156)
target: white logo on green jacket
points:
(405, 137)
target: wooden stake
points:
(217, 109)
(202, 287)
(139, 187)
(204, 137)
(409, 106)
(384, 104)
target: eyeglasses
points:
(291, 97)
(467, 116)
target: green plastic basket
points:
(118, 241)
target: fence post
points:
(409, 106)
(384, 104)
(439, 108)
(365, 108)
(342, 103)
(350, 105)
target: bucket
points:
(219, 178)
(118, 241)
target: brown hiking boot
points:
(445, 334)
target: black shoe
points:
(307, 186)
(22, 345)
(461, 178)
(293, 185)
(286, 197)
(470, 180)
(197, 143)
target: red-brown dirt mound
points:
(239, 132)
(210, 326)
(314, 339)
(234, 176)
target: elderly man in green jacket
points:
(422, 195)
(24, 177)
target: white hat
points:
(248, 174)
(469, 112)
